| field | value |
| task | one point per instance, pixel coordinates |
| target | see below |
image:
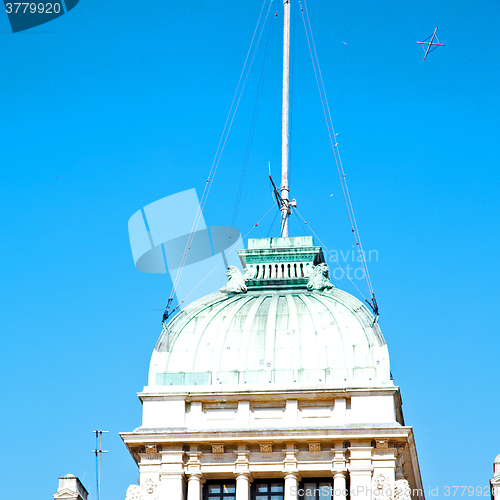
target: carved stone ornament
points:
(381, 487)
(148, 490)
(319, 278)
(402, 490)
(236, 283)
(217, 449)
(250, 272)
(151, 449)
(382, 444)
(380, 481)
(315, 447)
(266, 448)
(133, 492)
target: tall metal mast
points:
(98, 455)
(285, 209)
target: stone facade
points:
(333, 429)
(495, 481)
(70, 488)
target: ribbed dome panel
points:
(272, 336)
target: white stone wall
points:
(202, 412)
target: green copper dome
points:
(281, 325)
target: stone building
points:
(495, 481)
(278, 386)
(70, 488)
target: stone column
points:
(360, 470)
(291, 486)
(194, 487)
(339, 485)
(242, 487)
(339, 471)
(242, 472)
(291, 472)
(193, 472)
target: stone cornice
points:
(253, 392)
(181, 436)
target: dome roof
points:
(272, 336)
(280, 323)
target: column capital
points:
(195, 476)
(243, 474)
(292, 474)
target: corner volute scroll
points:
(319, 278)
(235, 283)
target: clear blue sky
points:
(120, 103)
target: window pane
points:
(229, 488)
(276, 488)
(214, 488)
(276, 497)
(325, 491)
(309, 490)
(262, 488)
(261, 497)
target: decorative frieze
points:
(315, 447)
(217, 449)
(266, 447)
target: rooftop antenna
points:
(98, 454)
(285, 206)
(431, 43)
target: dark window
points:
(316, 489)
(268, 490)
(220, 491)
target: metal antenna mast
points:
(285, 208)
(98, 453)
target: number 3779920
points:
(33, 8)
